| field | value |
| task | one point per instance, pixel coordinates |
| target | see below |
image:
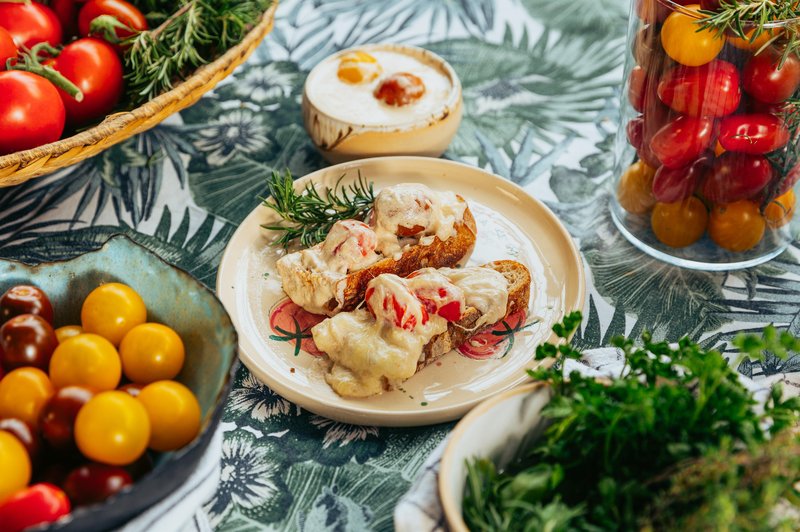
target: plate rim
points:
(358, 414)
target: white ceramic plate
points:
(511, 225)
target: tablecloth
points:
(541, 85)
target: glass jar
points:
(707, 156)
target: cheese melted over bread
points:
(403, 329)
(412, 227)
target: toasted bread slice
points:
(519, 294)
(350, 290)
(437, 254)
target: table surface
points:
(541, 88)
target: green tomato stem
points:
(30, 63)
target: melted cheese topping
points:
(355, 103)
(391, 302)
(484, 288)
(417, 211)
(367, 352)
(313, 277)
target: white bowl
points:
(341, 140)
(496, 429)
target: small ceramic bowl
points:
(496, 429)
(172, 297)
(341, 140)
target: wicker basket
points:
(18, 167)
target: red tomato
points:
(635, 132)
(753, 133)
(25, 433)
(31, 112)
(30, 24)
(27, 340)
(638, 83)
(92, 483)
(399, 89)
(25, 299)
(8, 50)
(57, 421)
(123, 11)
(671, 185)
(94, 66)
(789, 180)
(737, 176)
(763, 79)
(709, 5)
(711, 89)
(683, 140)
(40, 503)
(67, 13)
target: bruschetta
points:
(407, 323)
(411, 227)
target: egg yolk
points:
(400, 89)
(358, 67)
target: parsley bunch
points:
(672, 442)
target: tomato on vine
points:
(31, 111)
(123, 11)
(95, 68)
(30, 23)
(8, 50)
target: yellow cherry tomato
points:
(23, 394)
(111, 310)
(68, 331)
(86, 360)
(15, 465)
(737, 226)
(780, 211)
(174, 414)
(358, 67)
(112, 428)
(683, 42)
(679, 224)
(635, 188)
(151, 352)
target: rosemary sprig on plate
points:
(311, 214)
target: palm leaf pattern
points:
(541, 90)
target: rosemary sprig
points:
(748, 19)
(310, 215)
(194, 33)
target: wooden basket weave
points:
(20, 166)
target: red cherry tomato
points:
(8, 50)
(123, 11)
(25, 299)
(789, 180)
(58, 416)
(683, 140)
(27, 340)
(709, 5)
(635, 132)
(753, 133)
(94, 66)
(711, 89)
(38, 504)
(763, 79)
(671, 185)
(92, 483)
(638, 83)
(737, 176)
(25, 433)
(30, 23)
(31, 112)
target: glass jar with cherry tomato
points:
(709, 155)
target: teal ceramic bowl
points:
(173, 297)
